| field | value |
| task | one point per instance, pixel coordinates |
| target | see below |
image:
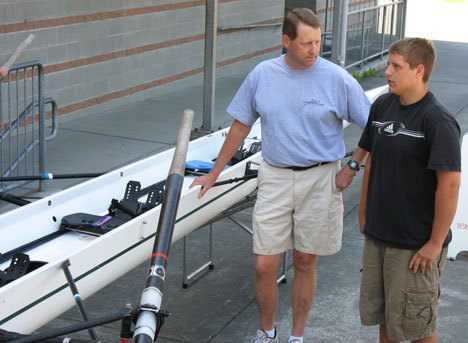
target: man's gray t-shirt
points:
(301, 111)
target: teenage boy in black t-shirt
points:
(409, 198)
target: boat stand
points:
(209, 265)
(77, 297)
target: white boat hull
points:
(34, 299)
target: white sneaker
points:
(262, 337)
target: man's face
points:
(401, 78)
(304, 50)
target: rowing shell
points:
(95, 261)
(41, 295)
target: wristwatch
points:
(353, 165)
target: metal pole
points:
(403, 19)
(336, 31)
(151, 298)
(42, 140)
(363, 37)
(209, 78)
(384, 28)
(210, 251)
(77, 297)
(325, 25)
(343, 33)
(184, 263)
(41, 337)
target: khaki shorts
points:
(297, 209)
(393, 295)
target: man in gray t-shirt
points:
(301, 100)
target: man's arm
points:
(346, 174)
(237, 133)
(446, 200)
(364, 188)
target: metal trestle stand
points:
(249, 201)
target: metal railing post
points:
(392, 34)
(362, 37)
(209, 79)
(403, 19)
(384, 22)
(336, 31)
(42, 138)
(343, 33)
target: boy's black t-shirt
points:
(407, 145)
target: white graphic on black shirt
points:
(393, 128)
(389, 128)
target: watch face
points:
(353, 165)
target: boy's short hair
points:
(416, 51)
(296, 16)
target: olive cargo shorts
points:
(393, 295)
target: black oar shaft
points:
(146, 327)
(77, 297)
(41, 337)
(48, 176)
(13, 199)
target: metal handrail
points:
(25, 110)
(382, 12)
(396, 2)
(248, 26)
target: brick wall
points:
(99, 54)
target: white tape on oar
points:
(7, 65)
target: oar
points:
(7, 65)
(147, 326)
(49, 176)
(13, 199)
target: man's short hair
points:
(416, 51)
(296, 16)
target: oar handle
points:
(183, 138)
(7, 65)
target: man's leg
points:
(303, 291)
(266, 287)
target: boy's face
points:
(401, 78)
